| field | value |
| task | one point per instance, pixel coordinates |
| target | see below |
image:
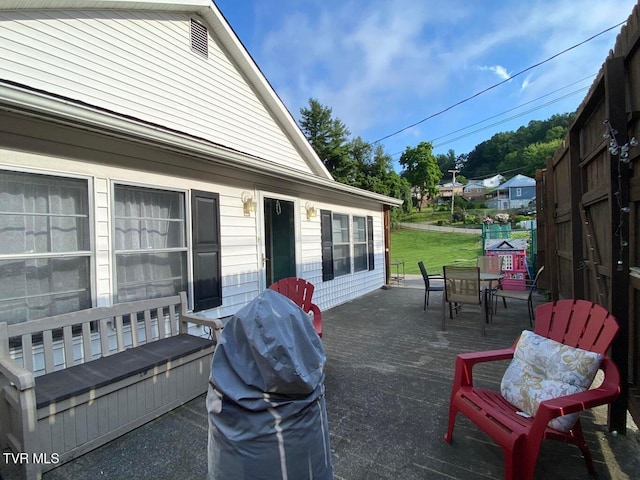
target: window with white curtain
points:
(360, 255)
(150, 243)
(45, 246)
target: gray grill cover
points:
(266, 404)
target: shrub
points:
(458, 215)
(501, 217)
(470, 219)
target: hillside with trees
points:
(356, 162)
(521, 151)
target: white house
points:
(493, 182)
(143, 152)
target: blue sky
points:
(382, 65)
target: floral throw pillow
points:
(542, 369)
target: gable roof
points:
(24, 99)
(517, 182)
(511, 244)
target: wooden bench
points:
(73, 382)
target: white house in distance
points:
(493, 182)
(142, 152)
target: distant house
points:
(142, 152)
(516, 192)
(474, 190)
(493, 182)
(448, 189)
(477, 189)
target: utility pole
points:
(453, 191)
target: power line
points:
(521, 114)
(520, 106)
(499, 83)
(507, 111)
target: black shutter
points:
(370, 243)
(327, 245)
(207, 269)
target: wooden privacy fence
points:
(589, 209)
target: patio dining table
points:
(488, 295)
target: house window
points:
(360, 257)
(337, 244)
(150, 243)
(199, 38)
(518, 192)
(45, 246)
(341, 246)
(370, 243)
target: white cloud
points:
(499, 70)
(384, 64)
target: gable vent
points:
(199, 38)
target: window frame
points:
(364, 242)
(329, 270)
(346, 246)
(89, 254)
(185, 249)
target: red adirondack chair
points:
(577, 323)
(300, 292)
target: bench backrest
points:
(61, 341)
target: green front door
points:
(280, 240)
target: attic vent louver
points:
(199, 39)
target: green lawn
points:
(435, 249)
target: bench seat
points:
(74, 381)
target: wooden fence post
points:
(619, 228)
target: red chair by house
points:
(300, 292)
(583, 329)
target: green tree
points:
(374, 172)
(447, 162)
(505, 151)
(535, 155)
(421, 171)
(329, 138)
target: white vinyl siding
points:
(240, 235)
(140, 64)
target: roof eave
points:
(38, 105)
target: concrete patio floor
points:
(389, 373)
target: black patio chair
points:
(525, 295)
(428, 287)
